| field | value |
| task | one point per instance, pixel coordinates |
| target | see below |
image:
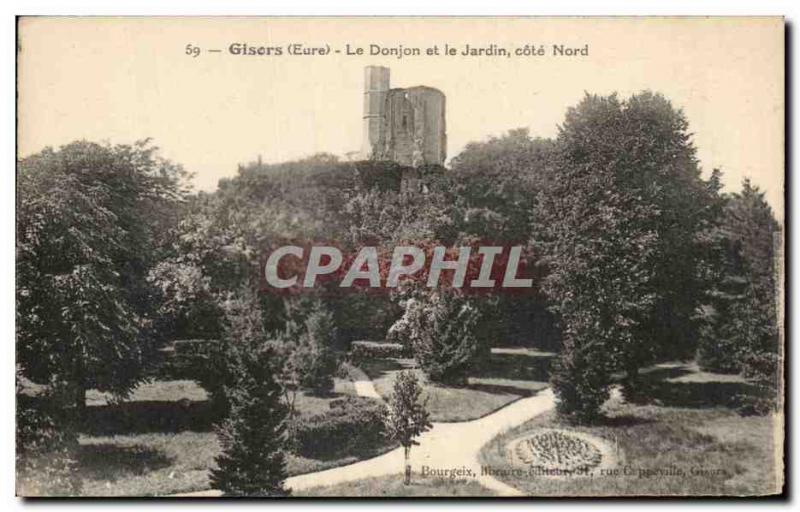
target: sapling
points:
(407, 416)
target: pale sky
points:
(123, 79)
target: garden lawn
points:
(124, 459)
(146, 464)
(693, 428)
(392, 486)
(160, 464)
(166, 391)
(508, 375)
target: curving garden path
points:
(363, 384)
(445, 446)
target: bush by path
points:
(352, 425)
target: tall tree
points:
(253, 435)
(91, 221)
(657, 148)
(741, 334)
(495, 185)
(619, 222)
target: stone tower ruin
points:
(406, 126)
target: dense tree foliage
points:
(497, 182)
(635, 259)
(92, 220)
(619, 222)
(314, 358)
(203, 265)
(443, 332)
(741, 330)
(495, 185)
(220, 243)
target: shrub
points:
(365, 350)
(314, 359)
(400, 332)
(351, 425)
(719, 347)
(380, 175)
(442, 332)
(762, 369)
(316, 366)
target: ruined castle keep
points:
(406, 126)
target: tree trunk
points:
(79, 396)
(632, 373)
(80, 399)
(80, 404)
(632, 385)
(407, 450)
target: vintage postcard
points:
(400, 257)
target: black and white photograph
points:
(400, 257)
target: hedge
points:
(362, 350)
(352, 425)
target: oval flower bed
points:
(556, 450)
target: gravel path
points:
(363, 384)
(365, 388)
(447, 446)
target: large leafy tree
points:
(619, 222)
(205, 263)
(495, 184)
(656, 146)
(91, 222)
